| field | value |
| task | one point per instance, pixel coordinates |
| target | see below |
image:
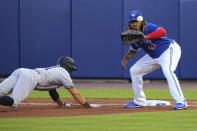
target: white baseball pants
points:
(21, 82)
(168, 62)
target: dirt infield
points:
(47, 108)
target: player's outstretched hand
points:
(67, 105)
(94, 105)
(91, 105)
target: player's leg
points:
(26, 82)
(144, 66)
(7, 85)
(169, 61)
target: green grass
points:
(162, 94)
(141, 121)
(151, 121)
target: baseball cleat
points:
(132, 105)
(179, 106)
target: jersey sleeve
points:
(151, 28)
(67, 81)
(157, 34)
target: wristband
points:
(86, 104)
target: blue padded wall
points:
(96, 45)
(34, 33)
(188, 28)
(9, 42)
(160, 12)
(45, 31)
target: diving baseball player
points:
(162, 52)
(22, 81)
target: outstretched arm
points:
(80, 99)
(77, 96)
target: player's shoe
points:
(132, 105)
(180, 106)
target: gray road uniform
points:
(22, 81)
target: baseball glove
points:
(131, 36)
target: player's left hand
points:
(131, 36)
(67, 105)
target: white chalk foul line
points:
(31, 103)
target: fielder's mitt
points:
(131, 36)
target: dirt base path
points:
(47, 108)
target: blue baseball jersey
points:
(153, 47)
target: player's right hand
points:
(94, 105)
(124, 62)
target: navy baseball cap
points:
(135, 16)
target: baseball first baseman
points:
(162, 52)
(22, 81)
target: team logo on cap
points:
(134, 14)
